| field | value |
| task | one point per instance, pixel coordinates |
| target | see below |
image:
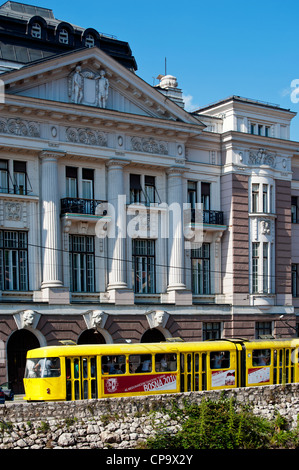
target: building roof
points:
(241, 100)
(19, 47)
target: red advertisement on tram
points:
(140, 383)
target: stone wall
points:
(123, 423)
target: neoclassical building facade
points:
(125, 218)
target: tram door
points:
(193, 372)
(81, 378)
(283, 366)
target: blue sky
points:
(215, 49)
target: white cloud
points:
(189, 105)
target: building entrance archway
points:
(17, 346)
(91, 336)
(152, 336)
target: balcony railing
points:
(209, 217)
(73, 205)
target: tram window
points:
(165, 362)
(42, 367)
(220, 360)
(113, 365)
(139, 363)
(261, 357)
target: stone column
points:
(176, 235)
(117, 263)
(176, 286)
(50, 229)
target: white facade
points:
(95, 171)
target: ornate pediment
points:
(91, 78)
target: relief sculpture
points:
(88, 87)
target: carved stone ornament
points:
(95, 319)
(86, 136)
(13, 211)
(262, 157)
(19, 127)
(265, 227)
(157, 318)
(27, 319)
(149, 145)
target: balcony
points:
(73, 205)
(209, 217)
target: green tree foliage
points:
(223, 425)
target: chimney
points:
(169, 87)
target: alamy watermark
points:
(137, 220)
(295, 90)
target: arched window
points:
(36, 31)
(63, 36)
(89, 41)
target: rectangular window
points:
(113, 365)
(295, 292)
(20, 177)
(13, 260)
(140, 363)
(205, 196)
(261, 357)
(265, 198)
(87, 183)
(263, 328)
(255, 198)
(4, 185)
(255, 267)
(294, 209)
(82, 260)
(144, 266)
(42, 367)
(211, 330)
(165, 362)
(266, 284)
(220, 360)
(71, 181)
(200, 267)
(135, 189)
(150, 190)
(192, 194)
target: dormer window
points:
(89, 41)
(36, 31)
(64, 36)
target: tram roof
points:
(148, 348)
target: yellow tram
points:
(113, 370)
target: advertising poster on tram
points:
(223, 377)
(260, 375)
(140, 383)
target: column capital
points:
(114, 163)
(175, 171)
(51, 154)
